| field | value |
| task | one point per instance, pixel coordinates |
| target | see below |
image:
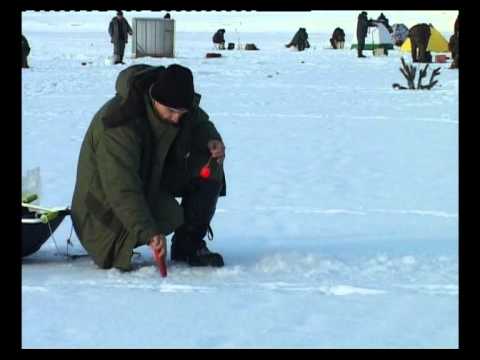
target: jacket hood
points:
(137, 79)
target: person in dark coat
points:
(453, 45)
(119, 29)
(419, 36)
(300, 40)
(25, 52)
(219, 39)
(363, 24)
(303, 40)
(338, 38)
(145, 147)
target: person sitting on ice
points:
(338, 38)
(299, 40)
(219, 39)
(148, 145)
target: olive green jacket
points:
(121, 199)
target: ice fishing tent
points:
(399, 33)
(377, 37)
(153, 37)
(436, 43)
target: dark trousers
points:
(420, 53)
(24, 62)
(419, 48)
(361, 46)
(456, 51)
(199, 205)
(199, 196)
(118, 51)
(200, 202)
(455, 58)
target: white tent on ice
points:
(377, 37)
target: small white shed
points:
(153, 37)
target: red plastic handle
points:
(160, 260)
(205, 171)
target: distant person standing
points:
(453, 45)
(25, 52)
(362, 28)
(167, 16)
(119, 29)
(219, 39)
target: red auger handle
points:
(160, 260)
(162, 267)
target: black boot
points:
(360, 52)
(199, 207)
(204, 257)
(188, 246)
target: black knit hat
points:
(174, 87)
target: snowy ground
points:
(340, 228)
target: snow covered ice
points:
(340, 224)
